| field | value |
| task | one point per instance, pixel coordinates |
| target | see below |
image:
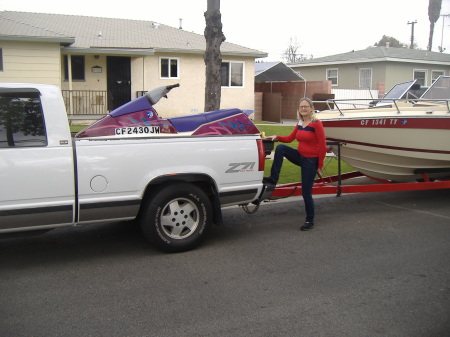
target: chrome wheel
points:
(179, 218)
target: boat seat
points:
(192, 122)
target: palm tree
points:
(434, 10)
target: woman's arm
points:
(290, 138)
(320, 134)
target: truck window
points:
(21, 119)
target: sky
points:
(318, 27)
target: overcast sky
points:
(320, 28)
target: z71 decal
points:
(241, 167)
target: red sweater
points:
(311, 140)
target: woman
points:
(309, 155)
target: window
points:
(421, 77)
(435, 74)
(1, 59)
(169, 67)
(332, 75)
(232, 74)
(77, 67)
(21, 119)
(365, 78)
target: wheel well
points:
(204, 182)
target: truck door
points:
(36, 173)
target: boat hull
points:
(396, 148)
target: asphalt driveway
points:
(377, 264)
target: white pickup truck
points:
(172, 175)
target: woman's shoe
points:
(307, 226)
(269, 180)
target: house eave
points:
(255, 55)
(109, 51)
(62, 40)
(150, 51)
(201, 52)
(381, 59)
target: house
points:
(377, 68)
(102, 63)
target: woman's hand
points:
(272, 138)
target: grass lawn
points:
(76, 128)
(290, 173)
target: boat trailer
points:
(334, 184)
(342, 183)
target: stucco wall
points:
(189, 98)
(241, 97)
(186, 99)
(93, 81)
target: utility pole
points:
(412, 33)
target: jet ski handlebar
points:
(170, 87)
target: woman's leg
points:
(309, 170)
(282, 151)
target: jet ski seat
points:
(192, 122)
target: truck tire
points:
(177, 217)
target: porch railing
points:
(85, 104)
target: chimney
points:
(181, 21)
(387, 44)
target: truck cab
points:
(36, 159)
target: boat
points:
(398, 138)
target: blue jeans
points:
(309, 169)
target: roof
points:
(96, 34)
(379, 54)
(275, 72)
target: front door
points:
(119, 81)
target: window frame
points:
(30, 138)
(77, 69)
(169, 70)
(433, 72)
(369, 78)
(425, 71)
(330, 78)
(229, 80)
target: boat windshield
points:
(397, 92)
(440, 89)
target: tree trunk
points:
(434, 10)
(212, 57)
(430, 38)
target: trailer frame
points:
(334, 184)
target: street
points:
(376, 264)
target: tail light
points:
(261, 154)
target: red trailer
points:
(342, 183)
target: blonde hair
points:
(312, 115)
